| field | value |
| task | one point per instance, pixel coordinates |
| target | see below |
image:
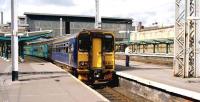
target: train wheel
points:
(91, 79)
(75, 72)
(115, 80)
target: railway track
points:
(113, 95)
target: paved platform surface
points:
(161, 77)
(41, 81)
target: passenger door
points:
(96, 53)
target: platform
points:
(161, 77)
(41, 81)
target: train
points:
(89, 55)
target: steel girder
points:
(185, 39)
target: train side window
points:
(57, 49)
(108, 45)
(66, 49)
(62, 50)
(71, 48)
(84, 42)
(54, 49)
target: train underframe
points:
(91, 76)
(94, 76)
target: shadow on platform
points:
(136, 67)
(29, 76)
(43, 78)
(35, 73)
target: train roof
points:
(96, 30)
(65, 37)
(70, 36)
(48, 41)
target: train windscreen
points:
(84, 42)
(108, 43)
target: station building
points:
(74, 23)
(44, 25)
(154, 40)
(149, 45)
(150, 40)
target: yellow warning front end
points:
(95, 56)
(96, 53)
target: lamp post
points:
(98, 16)
(14, 40)
(61, 26)
(2, 17)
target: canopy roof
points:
(122, 42)
(155, 41)
(26, 36)
(149, 41)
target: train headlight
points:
(98, 73)
(83, 63)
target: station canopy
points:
(25, 36)
(154, 41)
(147, 41)
(122, 42)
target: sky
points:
(147, 11)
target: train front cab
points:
(95, 56)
